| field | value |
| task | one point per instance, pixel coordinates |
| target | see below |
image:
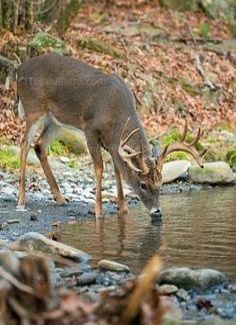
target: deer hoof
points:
(21, 207)
(62, 200)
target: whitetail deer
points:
(64, 91)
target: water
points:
(198, 230)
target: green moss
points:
(98, 46)
(58, 149)
(193, 90)
(204, 30)
(8, 159)
(73, 163)
(231, 157)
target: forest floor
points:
(159, 52)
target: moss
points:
(43, 41)
(231, 157)
(193, 90)
(8, 159)
(98, 46)
(73, 163)
(204, 29)
(58, 149)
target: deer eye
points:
(143, 186)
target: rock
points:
(182, 294)
(217, 172)
(74, 140)
(33, 241)
(181, 5)
(112, 266)
(43, 41)
(65, 160)
(167, 289)
(87, 278)
(187, 278)
(32, 159)
(71, 271)
(174, 169)
(222, 9)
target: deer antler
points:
(182, 146)
(127, 153)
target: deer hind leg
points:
(49, 132)
(27, 139)
(120, 193)
(95, 151)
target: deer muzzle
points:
(156, 213)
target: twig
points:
(10, 278)
(146, 282)
(207, 82)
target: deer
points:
(63, 91)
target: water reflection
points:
(198, 229)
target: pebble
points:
(167, 289)
(112, 266)
(182, 295)
(87, 278)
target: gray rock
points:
(217, 172)
(187, 278)
(71, 271)
(182, 295)
(174, 169)
(87, 278)
(112, 266)
(33, 241)
(74, 140)
(167, 289)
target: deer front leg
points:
(95, 151)
(120, 193)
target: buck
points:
(62, 91)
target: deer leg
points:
(95, 151)
(25, 145)
(120, 193)
(49, 132)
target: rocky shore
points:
(188, 294)
(194, 295)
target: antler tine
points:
(124, 128)
(195, 141)
(185, 131)
(123, 142)
(182, 146)
(127, 158)
(202, 154)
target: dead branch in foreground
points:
(26, 297)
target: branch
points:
(207, 82)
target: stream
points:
(198, 230)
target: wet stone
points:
(182, 295)
(87, 278)
(112, 266)
(187, 278)
(167, 289)
(72, 271)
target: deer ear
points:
(156, 148)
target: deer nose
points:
(156, 213)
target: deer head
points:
(146, 171)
